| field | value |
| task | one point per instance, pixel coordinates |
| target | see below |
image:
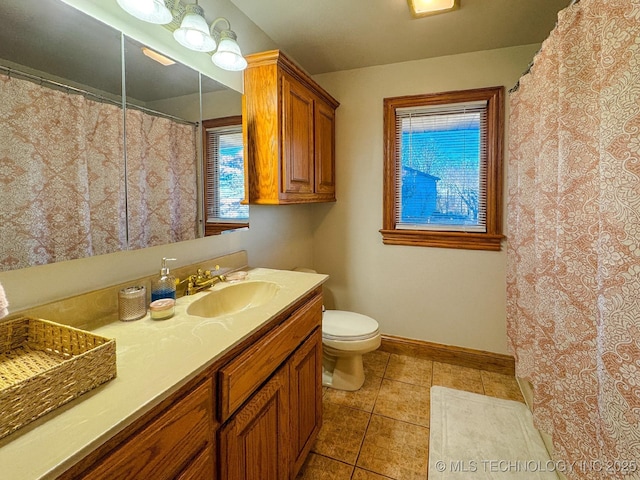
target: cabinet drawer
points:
(167, 444)
(201, 467)
(241, 377)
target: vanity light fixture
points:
(228, 55)
(423, 8)
(158, 57)
(194, 31)
(152, 11)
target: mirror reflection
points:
(161, 128)
(61, 149)
(63, 163)
(223, 160)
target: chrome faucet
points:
(203, 280)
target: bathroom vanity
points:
(232, 396)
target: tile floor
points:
(381, 431)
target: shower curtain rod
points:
(530, 66)
(41, 80)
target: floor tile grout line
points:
(398, 420)
(403, 421)
(371, 471)
(408, 383)
(353, 407)
(427, 391)
(373, 408)
(372, 412)
(362, 441)
(332, 458)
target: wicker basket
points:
(44, 365)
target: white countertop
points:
(154, 359)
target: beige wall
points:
(454, 297)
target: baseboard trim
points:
(465, 357)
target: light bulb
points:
(194, 31)
(152, 11)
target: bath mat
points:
(478, 437)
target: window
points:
(443, 170)
(224, 175)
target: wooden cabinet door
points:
(255, 442)
(325, 164)
(168, 445)
(297, 141)
(202, 467)
(305, 389)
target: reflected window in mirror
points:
(224, 172)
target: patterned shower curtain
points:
(573, 281)
(162, 186)
(61, 176)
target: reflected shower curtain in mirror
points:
(61, 176)
(161, 180)
(573, 278)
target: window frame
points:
(216, 227)
(492, 238)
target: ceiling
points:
(321, 35)
(332, 35)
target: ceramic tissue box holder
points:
(44, 365)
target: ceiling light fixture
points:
(423, 8)
(152, 11)
(158, 57)
(228, 55)
(193, 32)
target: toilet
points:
(346, 337)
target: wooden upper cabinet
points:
(289, 133)
(297, 137)
(325, 164)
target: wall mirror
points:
(161, 139)
(60, 149)
(223, 160)
(62, 200)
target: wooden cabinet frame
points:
(492, 239)
(289, 129)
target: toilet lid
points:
(347, 326)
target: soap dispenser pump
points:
(164, 286)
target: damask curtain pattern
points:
(573, 282)
(61, 176)
(161, 180)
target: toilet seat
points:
(339, 325)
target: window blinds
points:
(225, 175)
(441, 167)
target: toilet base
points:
(343, 373)
(343, 369)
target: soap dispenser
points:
(164, 286)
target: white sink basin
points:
(233, 298)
